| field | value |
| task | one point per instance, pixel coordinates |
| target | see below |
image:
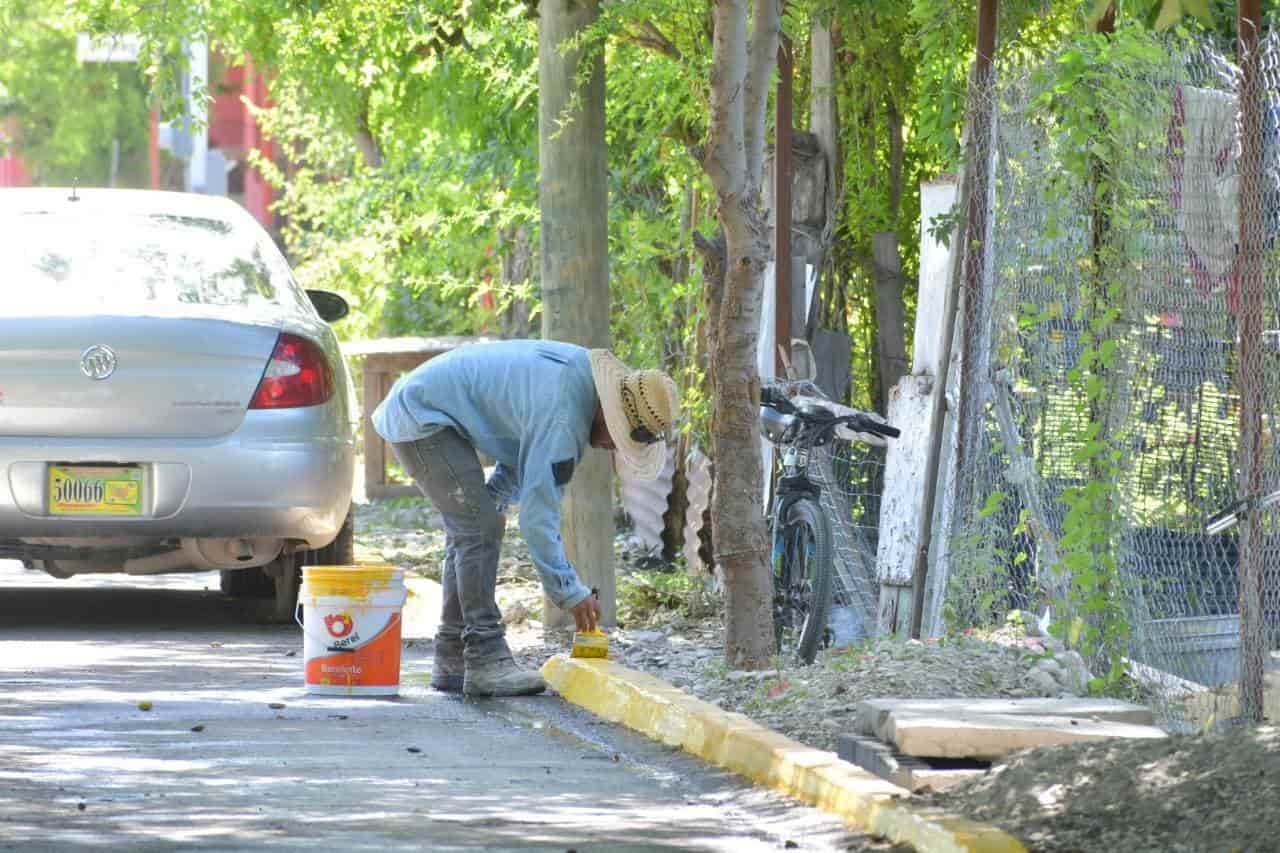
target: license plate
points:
(95, 490)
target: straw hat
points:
(640, 406)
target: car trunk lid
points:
(127, 377)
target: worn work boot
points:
(447, 667)
(496, 674)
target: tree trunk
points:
(738, 528)
(365, 140)
(573, 196)
(824, 121)
(517, 264)
(891, 345)
(741, 71)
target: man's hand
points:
(586, 613)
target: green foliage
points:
(947, 32)
(902, 100)
(65, 113)
(658, 60)
(411, 135)
(880, 190)
(645, 597)
(976, 582)
(413, 158)
(1095, 120)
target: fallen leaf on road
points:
(276, 705)
(198, 727)
(413, 749)
(144, 705)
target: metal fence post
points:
(1249, 379)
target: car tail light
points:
(298, 374)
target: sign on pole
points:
(122, 47)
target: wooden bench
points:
(383, 361)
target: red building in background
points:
(12, 171)
(236, 91)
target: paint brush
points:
(590, 644)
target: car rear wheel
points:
(287, 580)
(246, 583)
(341, 551)
(286, 570)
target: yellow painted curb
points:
(733, 741)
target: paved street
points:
(233, 755)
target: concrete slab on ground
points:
(873, 714)
(993, 736)
(908, 771)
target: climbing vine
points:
(1096, 118)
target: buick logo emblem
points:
(98, 362)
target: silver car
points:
(170, 399)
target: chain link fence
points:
(851, 477)
(1118, 422)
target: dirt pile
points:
(1190, 793)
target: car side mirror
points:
(330, 306)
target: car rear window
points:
(75, 262)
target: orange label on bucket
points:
(373, 664)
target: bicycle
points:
(803, 560)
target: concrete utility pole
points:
(573, 195)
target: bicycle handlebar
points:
(775, 399)
(862, 423)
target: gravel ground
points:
(1189, 793)
(812, 704)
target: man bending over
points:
(534, 407)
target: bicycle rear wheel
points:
(802, 567)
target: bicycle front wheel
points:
(802, 567)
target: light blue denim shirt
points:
(529, 406)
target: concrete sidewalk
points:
(732, 741)
(233, 755)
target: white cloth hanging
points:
(1208, 213)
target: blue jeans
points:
(445, 467)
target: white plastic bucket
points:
(350, 618)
